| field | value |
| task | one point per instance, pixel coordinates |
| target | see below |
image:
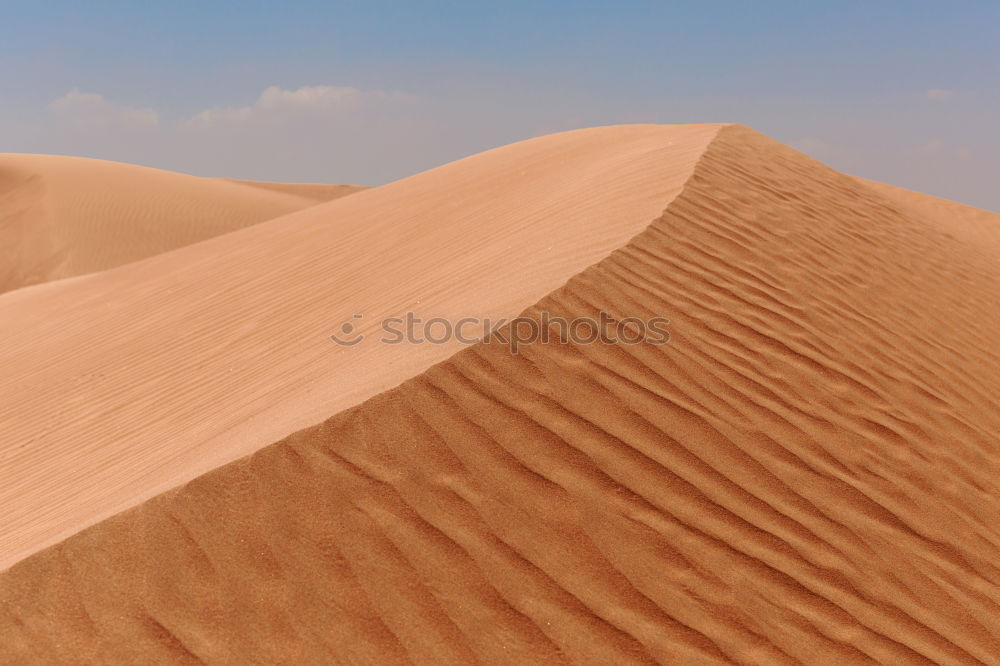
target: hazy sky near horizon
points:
(366, 92)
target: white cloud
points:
(93, 110)
(938, 94)
(278, 103)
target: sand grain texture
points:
(807, 473)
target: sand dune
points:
(976, 226)
(807, 473)
(66, 216)
(125, 383)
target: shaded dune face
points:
(806, 473)
(29, 251)
(66, 216)
(125, 383)
(316, 192)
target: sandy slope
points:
(125, 383)
(807, 473)
(976, 226)
(65, 216)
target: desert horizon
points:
(510, 367)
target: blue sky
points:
(903, 92)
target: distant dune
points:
(67, 216)
(807, 473)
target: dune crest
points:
(133, 380)
(806, 473)
(66, 216)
